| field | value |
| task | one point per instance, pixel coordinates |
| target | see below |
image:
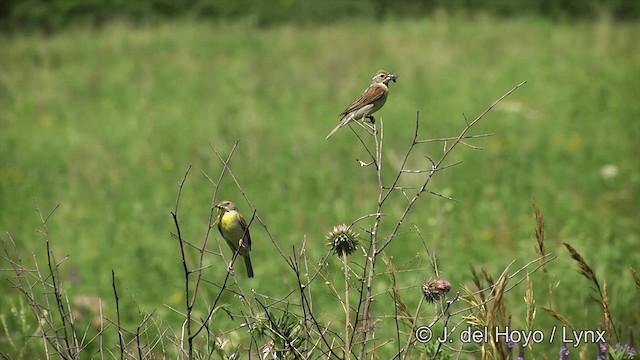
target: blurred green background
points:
(52, 15)
(103, 105)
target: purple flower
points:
(510, 345)
(602, 351)
(602, 347)
(625, 349)
(564, 352)
(74, 277)
(520, 353)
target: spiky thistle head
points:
(343, 240)
(436, 289)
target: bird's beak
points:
(392, 77)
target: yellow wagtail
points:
(369, 102)
(235, 231)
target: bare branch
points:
(115, 294)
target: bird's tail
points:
(344, 121)
(334, 130)
(247, 263)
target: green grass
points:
(105, 122)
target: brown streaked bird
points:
(369, 102)
(235, 231)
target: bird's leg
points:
(371, 128)
(372, 120)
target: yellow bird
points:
(235, 231)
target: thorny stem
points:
(56, 286)
(373, 252)
(214, 306)
(188, 303)
(437, 166)
(212, 216)
(347, 307)
(115, 294)
(447, 316)
(306, 303)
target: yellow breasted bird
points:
(235, 231)
(369, 102)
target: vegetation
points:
(104, 123)
(54, 15)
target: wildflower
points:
(564, 352)
(609, 171)
(602, 351)
(624, 349)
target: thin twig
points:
(185, 267)
(67, 351)
(437, 165)
(453, 138)
(115, 294)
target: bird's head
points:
(227, 206)
(383, 77)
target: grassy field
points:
(105, 122)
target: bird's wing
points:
(373, 93)
(219, 221)
(245, 228)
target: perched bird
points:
(235, 231)
(369, 102)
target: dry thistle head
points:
(434, 290)
(343, 240)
